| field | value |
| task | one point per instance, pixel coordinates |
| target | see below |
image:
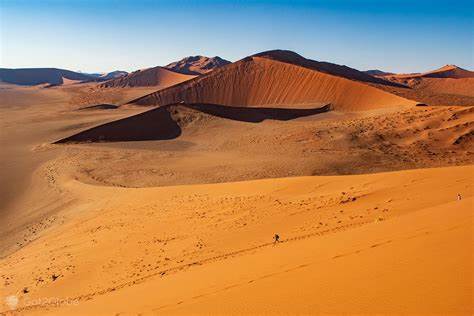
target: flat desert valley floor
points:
(98, 221)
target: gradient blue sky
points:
(105, 35)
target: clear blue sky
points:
(105, 35)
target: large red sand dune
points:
(156, 76)
(280, 79)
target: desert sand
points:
(132, 199)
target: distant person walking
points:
(459, 197)
(276, 238)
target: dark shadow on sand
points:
(156, 124)
(255, 114)
(159, 124)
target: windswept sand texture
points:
(158, 77)
(107, 208)
(266, 81)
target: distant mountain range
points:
(35, 76)
(197, 65)
(51, 76)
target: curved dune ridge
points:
(156, 76)
(166, 122)
(267, 81)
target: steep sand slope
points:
(197, 65)
(265, 81)
(35, 76)
(156, 76)
(350, 244)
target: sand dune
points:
(447, 71)
(448, 86)
(36, 76)
(197, 65)
(435, 91)
(273, 79)
(156, 76)
(208, 248)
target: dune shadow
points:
(159, 123)
(255, 114)
(156, 124)
(102, 106)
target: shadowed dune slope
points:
(102, 106)
(261, 81)
(35, 76)
(166, 122)
(156, 76)
(156, 124)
